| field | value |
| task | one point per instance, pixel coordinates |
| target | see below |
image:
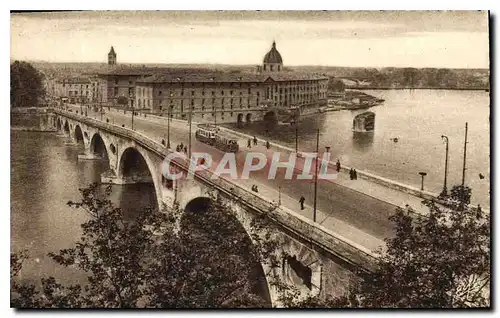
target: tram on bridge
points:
(213, 136)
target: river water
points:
(45, 175)
(417, 118)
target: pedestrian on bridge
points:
(355, 174)
(268, 145)
(254, 141)
(301, 201)
(338, 165)
(249, 143)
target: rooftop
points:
(273, 56)
(148, 71)
(219, 77)
(74, 80)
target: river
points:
(45, 175)
(417, 118)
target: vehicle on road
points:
(213, 136)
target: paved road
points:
(363, 212)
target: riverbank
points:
(32, 129)
(430, 88)
(375, 186)
(39, 120)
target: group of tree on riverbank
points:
(409, 77)
(26, 85)
(207, 260)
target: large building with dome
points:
(209, 96)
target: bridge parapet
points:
(287, 220)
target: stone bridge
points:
(314, 259)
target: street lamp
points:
(168, 122)
(297, 135)
(445, 188)
(423, 174)
(132, 106)
(316, 177)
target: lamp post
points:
(132, 117)
(297, 136)
(168, 128)
(316, 177)
(423, 174)
(445, 188)
(190, 120)
(168, 122)
(465, 154)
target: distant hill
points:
(388, 77)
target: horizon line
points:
(251, 65)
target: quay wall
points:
(32, 119)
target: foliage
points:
(461, 194)
(438, 261)
(156, 260)
(416, 77)
(26, 87)
(441, 260)
(335, 85)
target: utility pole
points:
(190, 120)
(168, 128)
(465, 154)
(297, 136)
(132, 117)
(316, 177)
(445, 187)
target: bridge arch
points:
(98, 147)
(248, 118)
(135, 166)
(301, 267)
(193, 216)
(79, 135)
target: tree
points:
(155, 260)
(461, 195)
(335, 85)
(26, 87)
(441, 260)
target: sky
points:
(444, 39)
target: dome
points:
(273, 56)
